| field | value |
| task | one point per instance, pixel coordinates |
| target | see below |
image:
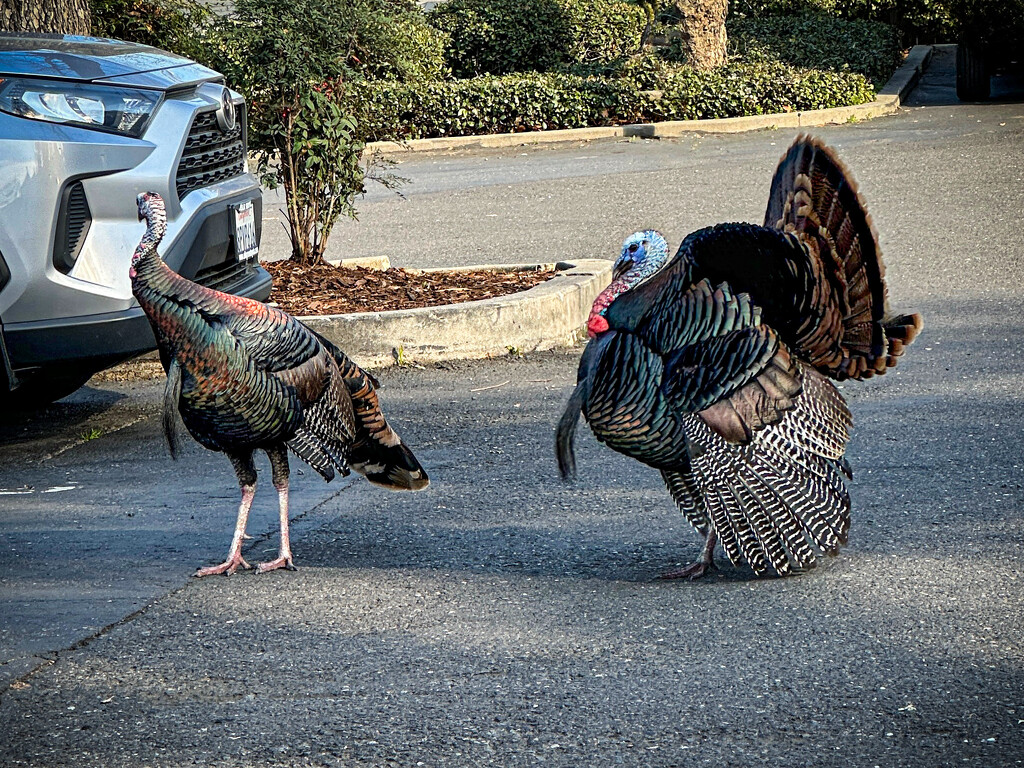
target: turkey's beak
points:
(621, 267)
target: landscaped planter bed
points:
(323, 289)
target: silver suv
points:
(85, 125)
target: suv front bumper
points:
(96, 341)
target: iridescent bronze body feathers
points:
(712, 366)
(245, 377)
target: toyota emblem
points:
(226, 112)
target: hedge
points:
(999, 22)
(541, 101)
(502, 36)
(380, 39)
(866, 47)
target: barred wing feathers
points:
(377, 452)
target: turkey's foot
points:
(691, 572)
(702, 566)
(228, 567)
(284, 562)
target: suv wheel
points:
(973, 81)
(44, 388)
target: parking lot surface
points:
(504, 618)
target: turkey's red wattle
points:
(597, 323)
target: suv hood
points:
(94, 59)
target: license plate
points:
(247, 247)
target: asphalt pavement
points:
(504, 618)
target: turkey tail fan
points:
(171, 419)
(813, 196)
(565, 435)
(378, 453)
(391, 466)
(781, 499)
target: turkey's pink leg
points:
(702, 566)
(235, 560)
(279, 466)
(284, 554)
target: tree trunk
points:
(69, 17)
(699, 26)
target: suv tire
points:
(973, 81)
(45, 388)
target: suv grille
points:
(210, 155)
(224, 277)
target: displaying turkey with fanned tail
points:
(713, 366)
(245, 377)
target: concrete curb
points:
(887, 102)
(546, 316)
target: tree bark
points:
(69, 17)
(699, 26)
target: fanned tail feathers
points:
(780, 500)
(369, 446)
(814, 197)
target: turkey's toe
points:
(691, 572)
(279, 563)
(228, 567)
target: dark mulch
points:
(321, 289)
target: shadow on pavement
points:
(65, 416)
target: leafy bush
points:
(383, 39)
(537, 101)
(867, 47)
(502, 36)
(926, 21)
(394, 42)
(174, 25)
(279, 53)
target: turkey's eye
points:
(633, 248)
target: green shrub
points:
(867, 47)
(1000, 22)
(280, 53)
(394, 42)
(502, 36)
(174, 25)
(539, 101)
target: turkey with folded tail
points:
(712, 366)
(245, 377)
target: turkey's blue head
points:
(643, 254)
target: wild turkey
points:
(247, 377)
(713, 366)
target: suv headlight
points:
(101, 107)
